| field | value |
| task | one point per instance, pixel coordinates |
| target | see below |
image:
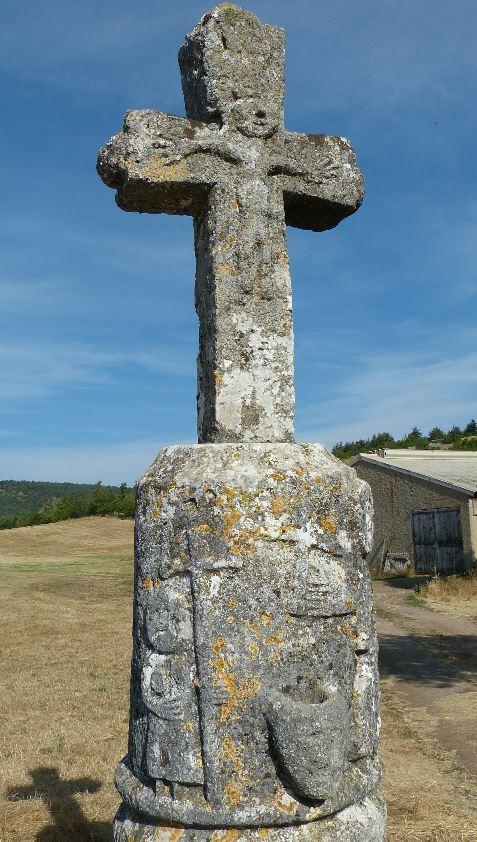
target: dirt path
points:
(431, 660)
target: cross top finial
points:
(234, 168)
(233, 72)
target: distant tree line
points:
(456, 439)
(100, 501)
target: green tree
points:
(471, 429)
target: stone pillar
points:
(254, 703)
(254, 686)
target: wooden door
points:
(437, 541)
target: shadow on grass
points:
(68, 821)
(435, 660)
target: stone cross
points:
(233, 167)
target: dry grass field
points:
(66, 617)
(452, 595)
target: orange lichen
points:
(148, 583)
(280, 504)
(233, 793)
(223, 270)
(275, 639)
(285, 803)
(328, 524)
(266, 618)
(238, 691)
(203, 527)
(253, 649)
(175, 833)
(278, 476)
(218, 645)
(160, 170)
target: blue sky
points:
(98, 329)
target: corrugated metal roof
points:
(454, 469)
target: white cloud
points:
(33, 370)
(393, 393)
(110, 463)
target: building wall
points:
(396, 496)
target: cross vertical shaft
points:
(243, 300)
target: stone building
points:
(425, 506)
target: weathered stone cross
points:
(234, 168)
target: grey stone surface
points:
(364, 821)
(254, 680)
(254, 686)
(243, 177)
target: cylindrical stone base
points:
(361, 822)
(254, 694)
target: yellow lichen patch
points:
(160, 170)
(275, 639)
(336, 485)
(198, 761)
(188, 726)
(218, 378)
(232, 603)
(289, 617)
(280, 505)
(223, 269)
(175, 833)
(254, 627)
(218, 646)
(282, 257)
(285, 803)
(226, 243)
(253, 649)
(237, 691)
(203, 527)
(233, 793)
(299, 472)
(231, 752)
(266, 618)
(263, 832)
(147, 583)
(278, 476)
(328, 524)
(154, 513)
(230, 519)
(230, 619)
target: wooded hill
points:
(454, 439)
(24, 503)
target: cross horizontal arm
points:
(164, 164)
(319, 178)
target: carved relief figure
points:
(168, 689)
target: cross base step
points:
(361, 822)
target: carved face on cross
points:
(231, 165)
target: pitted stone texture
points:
(361, 822)
(243, 178)
(254, 683)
